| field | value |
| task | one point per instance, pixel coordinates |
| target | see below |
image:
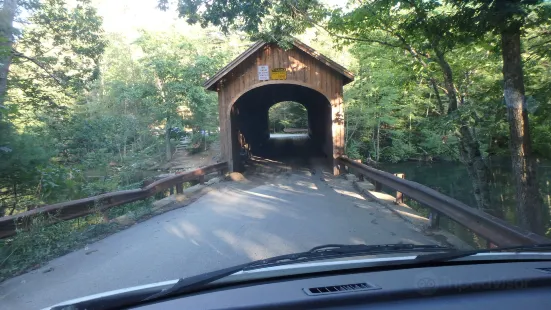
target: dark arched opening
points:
(250, 125)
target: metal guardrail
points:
(77, 208)
(497, 231)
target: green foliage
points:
(88, 114)
(55, 58)
(200, 141)
(268, 20)
(27, 250)
(287, 114)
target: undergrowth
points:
(30, 249)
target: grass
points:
(28, 250)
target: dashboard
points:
(496, 285)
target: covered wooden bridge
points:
(265, 75)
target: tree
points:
(425, 30)
(179, 66)
(7, 16)
(288, 114)
(48, 66)
(272, 21)
(507, 19)
(56, 57)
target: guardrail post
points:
(378, 186)
(202, 179)
(180, 188)
(105, 216)
(399, 195)
(172, 190)
(359, 174)
(490, 245)
(341, 168)
(434, 219)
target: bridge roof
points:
(348, 77)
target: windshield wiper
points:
(340, 250)
(320, 252)
(442, 257)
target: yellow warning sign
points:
(278, 74)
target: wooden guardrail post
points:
(342, 169)
(434, 220)
(359, 174)
(399, 195)
(378, 186)
(180, 188)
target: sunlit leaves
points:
(288, 114)
(262, 19)
(56, 56)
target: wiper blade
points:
(185, 285)
(320, 252)
(442, 257)
(340, 250)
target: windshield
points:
(147, 141)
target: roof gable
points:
(347, 75)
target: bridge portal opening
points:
(288, 118)
(253, 129)
(266, 74)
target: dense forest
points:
(84, 112)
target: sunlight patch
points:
(411, 215)
(307, 184)
(264, 196)
(257, 245)
(349, 193)
(383, 196)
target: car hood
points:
(303, 268)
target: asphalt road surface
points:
(288, 135)
(223, 228)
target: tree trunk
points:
(160, 87)
(469, 148)
(477, 170)
(7, 15)
(434, 85)
(14, 199)
(378, 140)
(530, 209)
(167, 141)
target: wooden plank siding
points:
(302, 69)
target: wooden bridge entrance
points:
(265, 75)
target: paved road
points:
(288, 135)
(223, 228)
